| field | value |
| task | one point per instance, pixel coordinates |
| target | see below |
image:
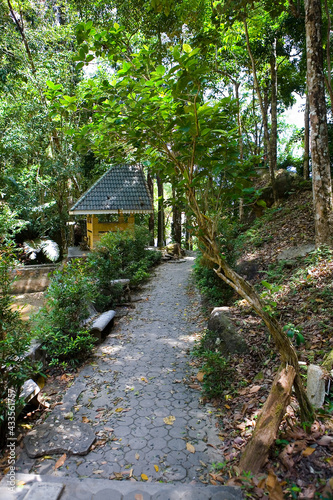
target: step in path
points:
(130, 424)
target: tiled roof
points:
(123, 188)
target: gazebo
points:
(121, 191)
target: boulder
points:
(296, 251)
(228, 341)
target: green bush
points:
(60, 321)
(60, 324)
(216, 369)
(214, 290)
(123, 255)
(15, 367)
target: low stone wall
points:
(29, 279)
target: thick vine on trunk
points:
(286, 350)
(268, 423)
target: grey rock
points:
(228, 341)
(59, 437)
(294, 252)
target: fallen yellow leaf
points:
(137, 456)
(156, 468)
(200, 376)
(144, 379)
(60, 461)
(169, 420)
(144, 477)
(190, 447)
(118, 410)
(85, 420)
(308, 451)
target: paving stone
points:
(175, 473)
(177, 444)
(107, 494)
(140, 432)
(158, 443)
(190, 494)
(126, 421)
(121, 431)
(138, 443)
(137, 494)
(85, 469)
(196, 434)
(50, 491)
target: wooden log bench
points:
(98, 323)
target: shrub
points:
(216, 369)
(15, 366)
(215, 290)
(60, 322)
(123, 255)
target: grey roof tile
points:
(123, 188)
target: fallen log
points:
(268, 422)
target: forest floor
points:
(300, 463)
(300, 296)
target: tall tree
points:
(321, 171)
(164, 111)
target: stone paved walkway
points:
(146, 419)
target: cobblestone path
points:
(148, 422)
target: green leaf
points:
(116, 26)
(299, 339)
(69, 98)
(80, 65)
(88, 25)
(187, 48)
(249, 190)
(261, 203)
(160, 70)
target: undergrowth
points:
(60, 325)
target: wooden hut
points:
(118, 195)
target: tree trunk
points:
(160, 214)
(241, 145)
(262, 109)
(321, 173)
(306, 162)
(328, 79)
(151, 223)
(176, 219)
(268, 423)
(273, 136)
(188, 235)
